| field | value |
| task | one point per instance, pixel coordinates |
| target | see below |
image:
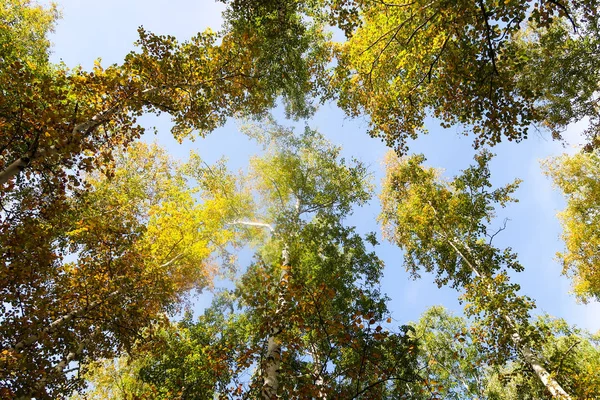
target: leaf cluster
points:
(577, 177)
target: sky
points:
(107, 30)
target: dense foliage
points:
(453, 360)
(578, 177)
(103, 238)
(493, 68)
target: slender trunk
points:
(62, 320)
(24, 162)
(530, 358)
(272, 363)
(319, 384)
(58, 369)
(318, 374)
(13, 169)
(549, 382)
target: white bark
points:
(271, 366)
(253, 223)
(13, 169)
(273, 358)
(59, 368)
(544, 376)
(551, 384)
(318, 376)
(530, 358)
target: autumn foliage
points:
(104, 238)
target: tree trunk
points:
(549, 382)
(84, 128)
(59, 368)
(272, 363)
(24, 162)
(318, 369)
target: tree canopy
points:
(106, 239)
(443, 227)
(451, 357)
(494, 68)
(122, 254)
(309, 303)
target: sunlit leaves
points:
(450, 356)
(324, 309)
(128, 250)
(577, 177)
(332, 308)
(451, 353)
(288, 45)
(23, 29)
(307, 172)
(96, 248)
(468, 63)
(559, 70)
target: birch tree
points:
(458, 367)
(326, 286)
(443, 227)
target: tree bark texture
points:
(271, 367)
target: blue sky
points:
(107, 29)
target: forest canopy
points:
(107, 240)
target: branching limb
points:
(503, 227)
(488, 34)
(253, 223)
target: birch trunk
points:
(551, 384)
(542, 373)
(58, 369)
(544, 376)
(25, 161)
(272, 363)
(318, 369)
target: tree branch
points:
(65, 318)
(253, 223)
(488, 34)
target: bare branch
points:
(565, 354)
(567, 13)
(498, 231)
(60, 321)
(253, 223)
